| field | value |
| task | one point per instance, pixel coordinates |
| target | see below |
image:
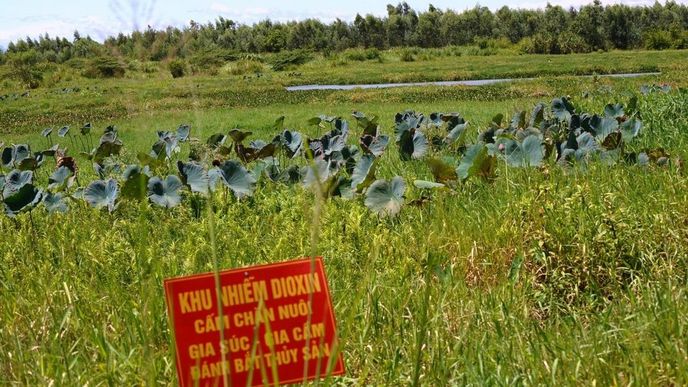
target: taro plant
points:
(102, 194)
(18, 192)
(47, 133)
(165, 193)
(233, 175)
(385, 198)
(560, 135)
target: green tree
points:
(589, 24)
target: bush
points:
(177, 68)
(407, 55)
(76, 63)
(104, 67)
(290, 59)
(212, 59)
(24, 68)
(244, 67)
(657, 40)
(361, 55)
(570, 43)
(565, 43)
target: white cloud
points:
(251, 15)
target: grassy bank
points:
(543, 275)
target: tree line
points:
(552, 30)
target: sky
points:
(102, 18)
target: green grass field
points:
(540, 276)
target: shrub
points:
(243, 67)
(212, 59)
(657, 40)
(565, 43)
(24, 68)
(104, 67)
(407, 55)
(177, 68)
(290, 59)
(361, 55)
(569, 43)
(76, 63)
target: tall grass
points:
(423, 299)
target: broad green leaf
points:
(498, 119)
(183, 132)
(237, 178)
(28, 164)
(58, 180)
(317, 173)
(630, 129)
(23, 199)
(340, 186)
(442, 171)
(412, 145)
(216, 140)
(20, 152)
(385, 198)
(374, 145)
(537, 116)
(135, 184)
(457, 134)
(102, 194)
(238, 136)
(562, 109)
(476, 162)
(55, 202)
(518, 121)
(614, 111)
(7, 156)
(110, 136)
(605, 127)
(165, 193)
(364, 173)
(291, 142)
(50, 152)
(106, 149)
(15, 180)
(194, 176)
(529, 153)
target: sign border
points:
(319, 265)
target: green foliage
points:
(104, 67)
(165, 193)
(361, 55)
(564, 43)
(212, 58)
(244, 66)
(407, 55)
(386, 197)
(177, 68)
(657, 40)
(542, 275)
(102, 194)
(24, 66)
(290, 59)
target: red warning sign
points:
(277, 322)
